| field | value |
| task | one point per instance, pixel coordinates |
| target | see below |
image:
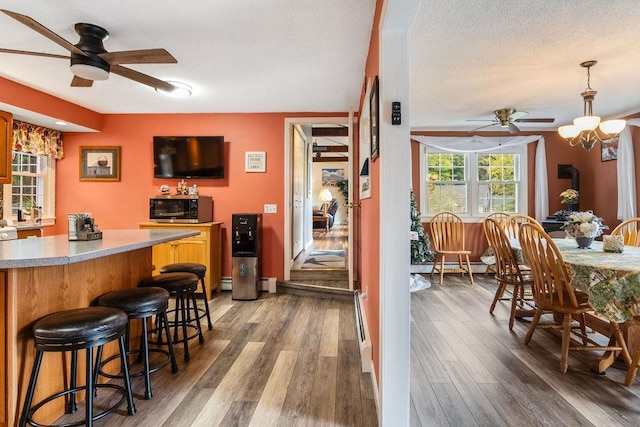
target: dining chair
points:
(508, 273)
(488, 257)
(553, 293)
(629, 229)
(512, 224)
(447, 237)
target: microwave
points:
(181, 209)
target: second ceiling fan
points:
(506, 117)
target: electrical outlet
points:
(270, 208)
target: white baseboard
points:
(364, 339)
(264, 284)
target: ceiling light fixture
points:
(89, 72)
(584, 129)
(180, 90)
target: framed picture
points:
(99, 163)
(609, 149)
(374, 119)
(255, 161)
(331, 177)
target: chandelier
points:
(584, 130)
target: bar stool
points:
(199, 270)
(73, 330)
(140, 303)
(182, 286)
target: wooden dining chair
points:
(512, 224)
(553, 293)
(509, 274)
(447, 238)
(488, 257)
(630, 230)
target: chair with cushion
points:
(447, 237)
(199, 270)
(332, 209)
(508, 273)
(488, 257)
(553, 293)
(629, 230)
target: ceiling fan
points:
(89, 59)
(506, 118)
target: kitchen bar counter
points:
(49, 274)
(58, 250)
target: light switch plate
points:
(270, 208)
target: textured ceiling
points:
(468, 58)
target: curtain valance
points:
(482, 144)
(37, 140)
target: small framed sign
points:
(255, 161)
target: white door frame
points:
(288, 125)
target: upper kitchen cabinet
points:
(6, 138)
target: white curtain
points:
(482, 144)
(626, 174)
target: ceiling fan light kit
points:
(584, 130)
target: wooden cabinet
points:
(6, 140)
(206, 249)
(29, 232)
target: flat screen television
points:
(188, 157)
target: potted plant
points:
(343, 188)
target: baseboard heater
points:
(366, 352)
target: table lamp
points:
(325, 197)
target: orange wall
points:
(369, 271)
(124, 204)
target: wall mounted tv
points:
(188, 157)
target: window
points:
(33, 185)
(473, 184)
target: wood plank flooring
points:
(467, 369)
(282, 360)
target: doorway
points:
(318, 223)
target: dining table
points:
(612, 281)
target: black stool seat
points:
(183, 287)
(78, 328)
(73, 330)
(141, 303)
(199, 270)
(172, 282)
(185, 267)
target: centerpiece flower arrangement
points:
(584, 227)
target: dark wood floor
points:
(282, 360)
(468, 369)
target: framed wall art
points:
(374, 120)
(609, 149)
(99, 163)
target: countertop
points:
(58, 250)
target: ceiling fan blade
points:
(142, 56)
(513, 128)
(38, 27)
(517, 115)
(142, 78)
(482, 127)
(481, 120)
(534, 120)
(80, 82)
(27, 52)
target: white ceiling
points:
(468, 58)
